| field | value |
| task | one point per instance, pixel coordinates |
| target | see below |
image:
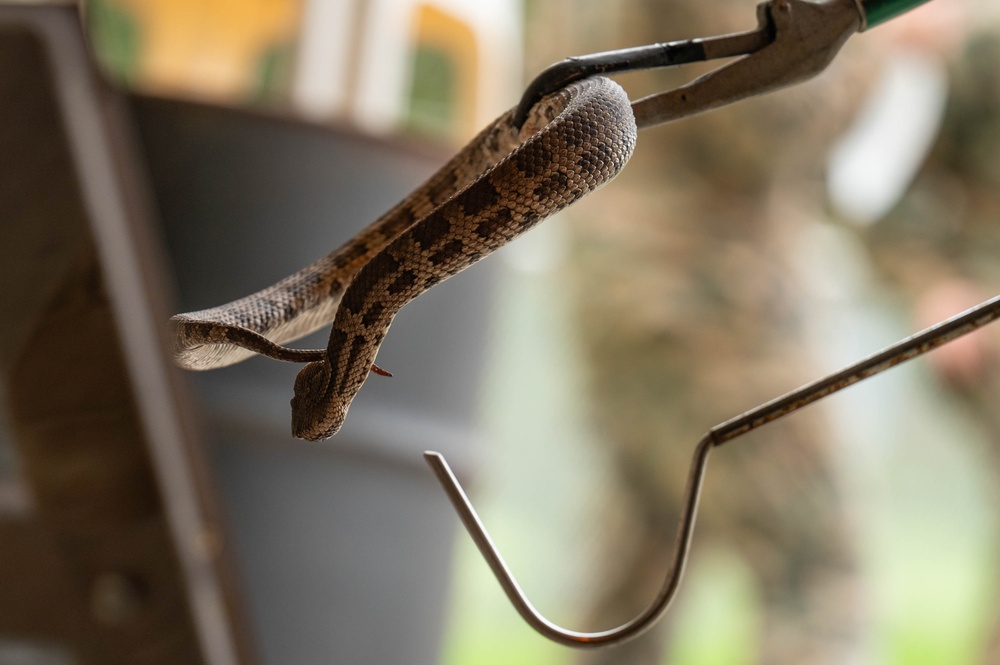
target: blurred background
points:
(740, 254)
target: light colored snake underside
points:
(501, 184)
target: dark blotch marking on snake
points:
(556, 183)
(403, 282)
(354, 297)
(604, 154)
(405, 220)
(351, 254)
(373, 313)
(536, 159)
(488, 228)
(338, 337)
(479, 196)
(449, 251)
(431, 230)
(358, 344)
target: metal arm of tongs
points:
(794, 41)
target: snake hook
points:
(909, 348)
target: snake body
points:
(500, 185)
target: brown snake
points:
(500, 185)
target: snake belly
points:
(500, 185)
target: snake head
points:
(315, 415)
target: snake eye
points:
(313, 417)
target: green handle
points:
(880, 11)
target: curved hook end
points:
(517, 597)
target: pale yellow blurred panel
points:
(439, 31)
(209, 48)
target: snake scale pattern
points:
(500, 185)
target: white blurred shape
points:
(320, 85)
(384, 83)
(874, 163)
(355, 58)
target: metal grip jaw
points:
(807, 36)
